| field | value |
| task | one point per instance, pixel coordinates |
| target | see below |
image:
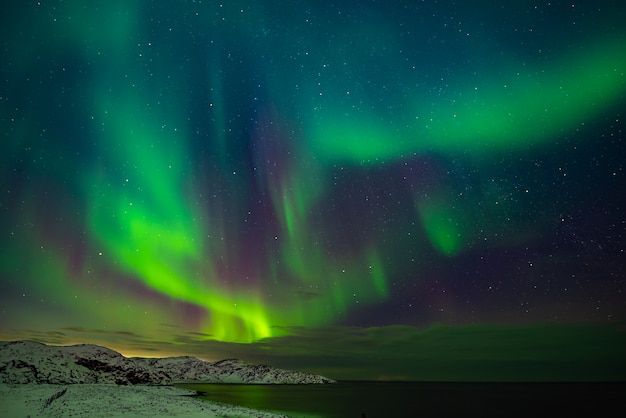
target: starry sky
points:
(406, 190)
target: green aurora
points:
(314, 187)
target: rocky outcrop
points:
(31, 362)
(228, 371)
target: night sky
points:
(423, 190)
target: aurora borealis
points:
(319, 185)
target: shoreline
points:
(110, 400)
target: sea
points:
(422, 399)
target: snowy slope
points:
(227, 371)
(109, 401)
(30, 362)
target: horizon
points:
(513, 381)
(380, 379)
(522, 353)
(411, 190)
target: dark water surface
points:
(423, 399)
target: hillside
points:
(31, 362)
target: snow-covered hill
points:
(31, 362)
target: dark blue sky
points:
(313, 184)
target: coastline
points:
(110, 400)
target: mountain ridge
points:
(35, 362)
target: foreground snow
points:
(110, 400)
